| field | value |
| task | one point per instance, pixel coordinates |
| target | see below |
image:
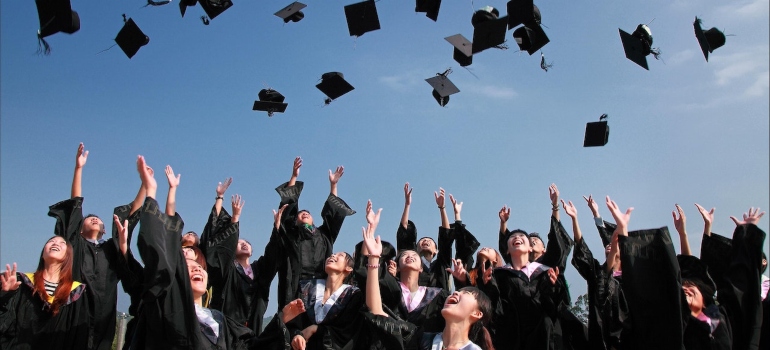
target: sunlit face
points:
(409, 260)
(694, 297)
(199, 278)
(189, 253)
(189, 239)
(244, 248)
(304, 217)
(55, 250)
(489, 254)
(519, 243)
(339, 263)
(461, 305)
(92, 225)
(427, 244)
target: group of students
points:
(204, 291)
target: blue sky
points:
(686, 131)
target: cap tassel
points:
(42, 45)
(543, 64)
(655, 51)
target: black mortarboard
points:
(709, 40)
(522, 12)
(333, 85)
(56, 16)
(270, 101)
(184, 4)
(362, 17)
(597, 133)
(430, 7)
(292, 12)
(696, 272)
(442, 87)
(214, 8)
(130, 38)
(530, 37)
(638, 45)
(463, 52)
(488, 29)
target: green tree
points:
(580, 308)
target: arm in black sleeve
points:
(439, 274)
(466, 244)
(159, 248)
(333, 213)
(502, 245)
(69, 218)
(290, 196)
(584, 262)
(557, 251)
(220, 247)
(406, 237)
(715, 253)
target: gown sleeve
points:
(439, 277)
(466, 244)
(406, 237)
(159, 248)
(333, 213)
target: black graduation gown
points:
(698, 334)
(653, 289)
(100, 266)
(26, 322)
(132, 281)
(234, 293)
(433, 274)
(166, 316)
(607, 308)
(735, 267)
(389, 291)
(305, 250)
(524, 309)
(466, 244)
(427, 314)
(389, 333)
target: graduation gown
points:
(166, 317)
(524, 308)
(427, 313)
(304, 249)
(236, 294)
(607, 308)
(653, 289)
(433, 273)
(26, 321)
(100, 266)
(735, 267)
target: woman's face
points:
(519, 243)
(244, 248)
(694, 297)
(338, 262)
(55, 250)
(409, 260)
(189, 239)
(488, 254)
(199, 278)
(461, 305)
(189, 253)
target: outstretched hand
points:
(292, 310)
(173, 181)
(372, 218)
(621, 219)
(708, 215)
(147, 176)
(122, 234)
(82, 156)
(457, 270)
(752, 217)
(8, 281)
(277, 215)
(222, 187)
(593, 205)
(553, 274)
(553, 192)
(440, 197)
(570, 209)
(504, 214)
(407, 194)
(373, 245)
(336, 175)
(680, 223)
(457, 206)
(487, 275)
(295, 168)
(237, 204)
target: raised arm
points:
(374, 247)
(457, 206)
(80, 161)
(173, 183)
(680, 223)
(440, 202)
(621, 219)
(221, 189)
(295, 171)
(570, 209)
(553, 192)
(334, 177)
(407, 204)
(504, 215)
(708, 218)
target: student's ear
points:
(476, 315)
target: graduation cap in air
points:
(333, 85)
(362, 17)
(55, 16)
(270, 101)
(638, 45)
(597, 133)
(463, 52)
(184, 4)
(430, 7)
(709, 40)
(130, 38)
(488, 29)
(214, 8)
(531, 37)
(292, 12)
(442, 87)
